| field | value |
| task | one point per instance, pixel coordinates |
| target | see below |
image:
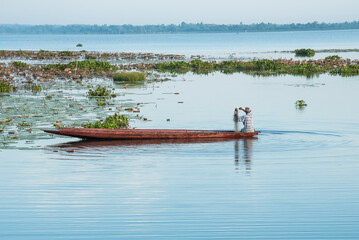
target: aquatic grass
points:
(129, 76)
(115, 121)
(86, 65)
(304, 52)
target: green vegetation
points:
(129, 76)
(263, 66)
(350, 70)
(303, 52)
(23, 124)
(300, 103)
(20, 65)
(79, 45)
(90, 57)
(48, 97)
(115, 121)
(87, 65)
(5, 86)
(35, 88)
(65, 53)
(333, 57)
(100, 91)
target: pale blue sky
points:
(139, 12)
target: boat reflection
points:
(243, 148)
(95, 144)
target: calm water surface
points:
(233, 45)
(298, 180)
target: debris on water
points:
(168, 119)
(70, 150)
(179, 102)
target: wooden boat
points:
(128, 134)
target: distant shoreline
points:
(78, 29)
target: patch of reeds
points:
(129, 76)
(115, 121)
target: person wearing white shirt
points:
(247, 120)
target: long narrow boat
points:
(127, 134)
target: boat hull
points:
(127, 134)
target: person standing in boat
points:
(247, 120)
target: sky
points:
(141, 12)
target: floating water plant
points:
(5, 86)
(333, 57)
(300, 103)
(129, 76)
(23, 124)
(350, 70)
(100, 91)
(304, 52)
(115, 121)
(79, 45)
(20, 65)
(35, 88)
(90, 57)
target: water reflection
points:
(243, 153)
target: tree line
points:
(172, 28)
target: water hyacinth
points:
(303, 52)
(5, 86)
(115, 121)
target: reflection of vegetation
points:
(87, 65)
(100, 91)
(35, 88)
(115, 121)
(333, 57)
(304, 52)
(5, 86)
(20, 65)
(350, 70)
(129, 76)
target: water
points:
(297, 180)
(219, 45)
